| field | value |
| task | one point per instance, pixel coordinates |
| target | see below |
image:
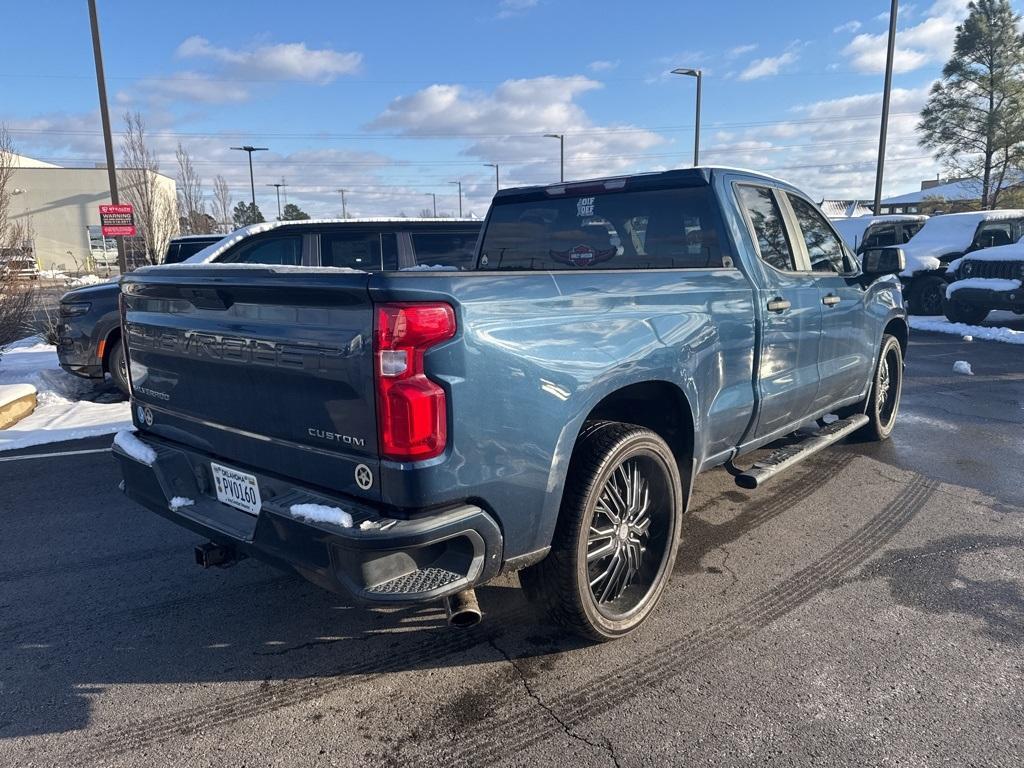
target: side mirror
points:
(884, 261)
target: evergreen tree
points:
(292, 212)
(247, 213)
(974, 118)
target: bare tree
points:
(222, 203)
(155, 215)
(191, 205)
(16, 296)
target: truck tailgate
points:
(270, 367)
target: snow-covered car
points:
(863, 232)
(19, 263)
(984, 281)
(942, 240)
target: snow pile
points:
(968, 338)
(11, 392)
(61, 413)
(962, 366)
(946, 234)
(320, 513)
(430, 268)
(138, 450)
(178, 502)
(369, 525)
(52, 274)
(1011, 252)
(941, 325)
(991, 283)
(78, 282)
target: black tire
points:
(118, 367)
(958, 311)
(886, 391)
(637, 564)
(927, 295)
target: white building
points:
(60, 206)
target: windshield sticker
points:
(585, 207)
(582, 256)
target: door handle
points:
(778, 304)
(831, 300)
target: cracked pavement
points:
(865, 608)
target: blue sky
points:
(393, 100)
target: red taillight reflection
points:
(411, 409)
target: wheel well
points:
(660, 407)
(898, 327)
(112, 338)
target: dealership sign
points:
(117, 220)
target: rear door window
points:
(824, 248)
(283, 249)
(769, 227)
(444, 249)
(645, 229)
(881, 236)
(352, 250)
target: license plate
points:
(236, 489)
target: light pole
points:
(278, 188)
(497, 178)
(460, 195)
(893, 11)
(249, 149)
(344, 210)
(108, 142)
(696, 127)
(561, 152)
(434, 196)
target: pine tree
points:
(292, 212)
(974, 118)
(247, 213)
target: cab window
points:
(366, 251)
(993, 233)
(769, 227)
(880, 237)
(284, 250)
(824, 248)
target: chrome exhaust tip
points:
(463, 609)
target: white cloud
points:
(507, 8)
(768, 66)
(850, 26)
(928, 42)
(191, 87)
(603, 65)
(286, 61)
(739, 50)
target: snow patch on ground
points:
(962, 366)
(320, 513)
(78, 282)
(138, 450)
(941, 325)
(989, 283)
(968, 338)
(61, 413)
(178, 502)
(11, 392)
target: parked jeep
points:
(945, 238)
(984, 281)
(407, 436)
(90, 331)
(863, 232)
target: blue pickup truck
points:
(407, 436)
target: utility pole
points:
(561, 152)
(249, 149)
(893, 11)
(460, 195)
(434, 196)
(497, 179)
(108, 142)
(278, 188)
(699, 74)
(344, 210)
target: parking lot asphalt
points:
(864, 609)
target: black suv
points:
(89, 342)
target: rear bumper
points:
(394, 560)
(989, 299)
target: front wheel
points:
(927, 294)
(118, 367)
(617, 533)
(886, 391)
(958, 311)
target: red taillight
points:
(412, 416)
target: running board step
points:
(783, 458)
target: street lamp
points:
(278, 188)
(460, 195)
(696, 128)
(497, 182)
(434, 196)
(344, 210)
(561, 152)
(249, 150)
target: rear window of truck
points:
(622, 229)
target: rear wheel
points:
(617, 533)
(886, 390)
(118, 367)
(927, 294)
(958, 311)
